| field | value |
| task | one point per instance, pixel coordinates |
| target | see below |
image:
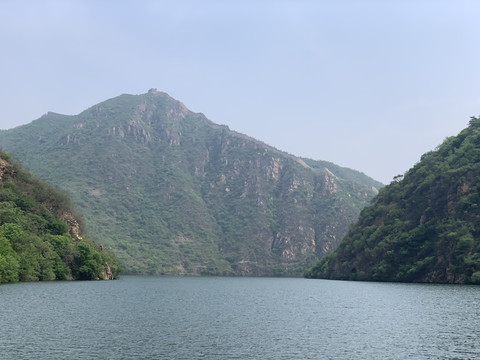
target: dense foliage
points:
(173, 193)
(35, 243)
(422, 228)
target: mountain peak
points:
(155, 91)
(173, 193)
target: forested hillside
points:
(424, 227)
(173, 193)
(41, 237)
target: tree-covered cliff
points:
(173, 193)
(424, 227)
(41, 238)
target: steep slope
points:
(422, 228)
(40, 237)
(173, 193)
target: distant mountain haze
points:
(170, 192)
(424, 227)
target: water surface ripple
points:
(238, 318)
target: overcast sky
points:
(370, 85)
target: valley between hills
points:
(171, 193)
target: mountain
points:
(41, 237)
(170, 192)
(424, 227)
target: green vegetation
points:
(423, 227)
(35, 243)
(170, 192)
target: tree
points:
(9, 264)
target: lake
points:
(238, 318)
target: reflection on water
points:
(238, 318)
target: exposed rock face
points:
(3, 167)
(107, 274)
(171, 192)
(74, 226)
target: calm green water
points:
(238, 318)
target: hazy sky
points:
(371, 85)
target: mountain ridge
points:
(183, 195)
